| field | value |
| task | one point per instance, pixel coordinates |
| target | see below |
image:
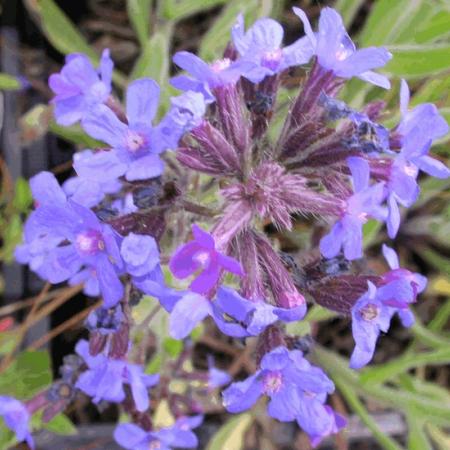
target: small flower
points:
(251, 318)
(297, 391)
(206, 77)
(364, 203)
(336, 52)
(403, 286)
(425, 116)
(402, 186)
(261, 45)
(369, 316)
(132, 437)
(201, 255)
(186, 113)
(79, 87)
(189, 310)
(93, 182)
(105, 378)
(135, 147)
(78, 241)
(16, 418)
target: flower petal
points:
(142, 101)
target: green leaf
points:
(60, 31)
(28, 374)
(413, 61)
(231, 434)
(388, 20)
(61, 425)
(154, 59)
(74, 134)
(417, 438)
(441, 317)
(357, 406)
(9, 83)
(435, 28)
(439, 262)
(432, 410)
(179, 9)
(22, 195)
(64, 36)
(384, 372)
(139, 14)
(12, 235)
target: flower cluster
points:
(112, 226)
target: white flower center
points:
(271, 59)
(272, 382)
(134, 141)
(220, 64)
(89, 243)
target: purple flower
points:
(201, 255)
(79, 87)
(297, 391)
(416, 144)
(426, 117)
(186, 112)
(189, 309)
(105, 378)
(335, 50)
(79, 241)
(250, 317)
(93, 182)
(261, 45)
(16, 418)
(134, 146)
(402, 186)
(364, 203)
(132, 437)
(206, 77)
(369, 316)
(141, 257)
(45, 191)
(403, 286)
(140, 254)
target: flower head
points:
(336, 52)
(369, 316)
(364, 203)
(402, 186)
(105, 378)
(93, 182)
(132, 437)
(134, 146)
(425, 116)
(17, 418)
(297, 391)
(71, 238)
(261, 45)
(206, 77)
(250, 318)
(201, 255)
(79, 87)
